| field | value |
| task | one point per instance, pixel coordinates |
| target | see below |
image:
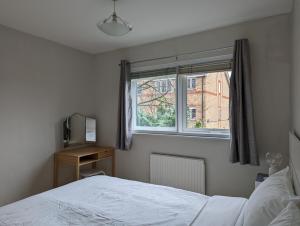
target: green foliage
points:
(164, 117)
(198, 124)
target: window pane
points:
(191, 83)
(156, 102)
(208, 100)
(191, 114)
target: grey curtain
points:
(124, 136)
(243, 145)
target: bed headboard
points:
(295, 160)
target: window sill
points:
(184, 134)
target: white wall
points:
(40, 83)
(295, 78)
(269, 40)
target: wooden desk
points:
(78, 157)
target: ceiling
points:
(73, 22)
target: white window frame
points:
(191, 112)
(168, 86)
(205, 132)
(141, 129)
(190, 83)
(181, 116)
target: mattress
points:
(103, 200)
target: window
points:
(155, 105)
(192, 113)
(191, 83)
(164, 85)
(213, 105)
(188, 100)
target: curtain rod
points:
(183, 54)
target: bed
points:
(104, 200)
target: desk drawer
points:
(105, 153)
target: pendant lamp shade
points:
(114, 25)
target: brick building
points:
(207, 99)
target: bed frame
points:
(295, 160)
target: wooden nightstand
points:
(78, 157)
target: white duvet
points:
(103, 200)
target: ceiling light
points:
(114, 25)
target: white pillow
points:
(289, 216)
(269, 199)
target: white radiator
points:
(179, 172)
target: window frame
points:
(190, 83)
(142, 129)
(191, 109)
(218, 133)
(168, 87)
(180, 112)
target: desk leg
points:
(55, 172)
(113, 164)
(77, 170)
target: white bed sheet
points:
(222, 211)
(103, 200)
